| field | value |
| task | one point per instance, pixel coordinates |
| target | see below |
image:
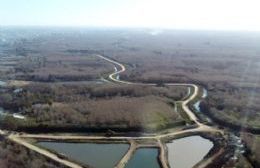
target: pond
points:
(144, 158)
(188, 151)
(96, 155)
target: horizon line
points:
(132, 27)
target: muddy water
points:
(144, 158)
(186, 152)
(96, 155)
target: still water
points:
(186, 152)
(96, 155)
(144, 158)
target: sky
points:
(173, 14)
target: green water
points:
(96, 155)
(144, 158)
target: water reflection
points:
(186, 152)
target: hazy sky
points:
(187, 14)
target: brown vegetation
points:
(227, 63)
(123, 112)
(237, 105)
(225, 59)
(13, 155)
(95, 106)
(62, 67)
(253, 144)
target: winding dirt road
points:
(19, 138)
(184, 103)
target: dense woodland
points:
(94, 106)
(239, 106)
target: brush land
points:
(67, 82)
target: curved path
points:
(19, 138)
(184, 103)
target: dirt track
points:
(46, 153)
